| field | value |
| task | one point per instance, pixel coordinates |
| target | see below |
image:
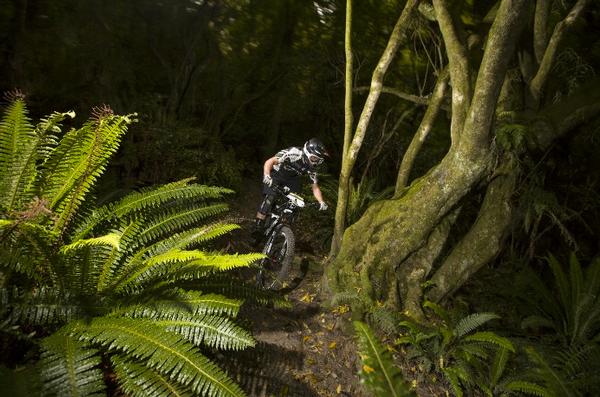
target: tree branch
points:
(424, 128)
(558, 119)
(419, 100)
(540, 28)
(458, 64)
(499, 51)
(539, 81)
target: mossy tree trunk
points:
(389, 253)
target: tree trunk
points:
(484, 240)
(390, 231)
(342, 203)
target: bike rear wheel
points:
(275, 268)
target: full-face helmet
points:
(314, 152)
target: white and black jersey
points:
(291, 167)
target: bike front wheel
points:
(275, 268)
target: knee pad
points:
(267, 203)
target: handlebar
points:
(285, 190)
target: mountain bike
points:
(279, 239)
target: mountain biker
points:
(287, 168)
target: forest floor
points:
(309, 349)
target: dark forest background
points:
(221, 85)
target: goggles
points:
(315, 159)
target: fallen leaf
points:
(332, 345)
(367, 369)
(338, 389)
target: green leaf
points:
(378, 371)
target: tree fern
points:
(378, 371)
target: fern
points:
(573, 312)
(70, 368)
(119, 282)
(17, 155)
(164, 352)
(378, 371)
(138, 381)
(468, 324)
(453, 347)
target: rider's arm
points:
(269, 165)
(317, 192)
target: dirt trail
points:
(302, 351)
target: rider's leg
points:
(261, 214)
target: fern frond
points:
(147, 200)
(438, 310)
(192, 237)
(137, 380)
(550, 376)
(17, 156)
(499, 365)
(69, 368)
(536, 321)
(110, 240)
(224, 284)
(193, 302)
(562, 281)
(530, 388)
(451, 375)
(46, 130)
(77, 162)
(163, 351)
(491, 338)
(157, 197)
(385, 319)
(184, 265)
(108, 267)
(220, 262)
(43, 306)
(378, 371)
(213, 331)
(471, 322)
(178, 220)
(346, 298)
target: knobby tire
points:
(276, 267)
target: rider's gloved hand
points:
(267, 180)
(323, 206)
